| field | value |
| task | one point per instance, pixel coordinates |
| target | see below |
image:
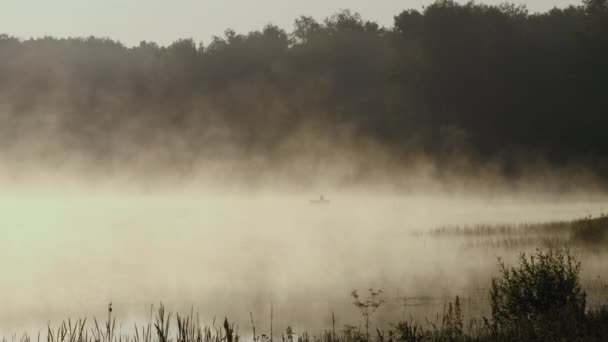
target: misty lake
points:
(69, 256)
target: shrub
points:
(541, 295)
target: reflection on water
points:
(68, 256)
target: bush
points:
(541, 296)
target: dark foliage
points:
(540, 298)
(495, 83)
(590, 231)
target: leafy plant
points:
(541, 293)
(367, 306)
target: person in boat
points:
(320, 200)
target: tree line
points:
(492, 82)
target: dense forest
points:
(491, 84)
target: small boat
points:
(320, 200)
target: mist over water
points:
(184, 173)
(70, 254)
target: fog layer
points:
(67, 256)
(475, 91)
(184, 173)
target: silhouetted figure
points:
(320, 200)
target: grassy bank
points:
(584, 232)
(538, 299)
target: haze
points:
(192, 174)
(69, 255)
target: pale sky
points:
(131, 21)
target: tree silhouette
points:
(520, 86)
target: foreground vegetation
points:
(539, 299)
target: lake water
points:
(70, 255)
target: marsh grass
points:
(449, 325)
(588, 232)
(539, 299)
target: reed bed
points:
(589, 232)
(448, 325)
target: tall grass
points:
(188, 329)
(588, 232)
(539, 299)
